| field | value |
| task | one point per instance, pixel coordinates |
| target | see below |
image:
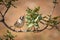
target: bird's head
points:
(22, 18)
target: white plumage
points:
(19, 22)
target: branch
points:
(1, 14)
(4, 3)
(14, 6)
(38, 30)
(43, 29)
(2, 17)
(6, 10)
(3, 20)
(42, 22)
(9, 7)
(10, 27)
(54, 2)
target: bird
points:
(20, 22)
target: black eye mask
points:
(22, 18)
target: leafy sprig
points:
(33, 17)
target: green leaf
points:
(30, 25)
(40, 17)
(8, 32)
(36, 9)
(55, 22)
(36, 24)
(32, 17)
(35, 15)
(8, 35)
(29, 10)
(37, 18)
(8, 4)
(28, 17)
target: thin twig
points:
(6, 11)
(10, 27)
(43, 29)
(54, 6)
(57, 28)
(1, 14)
(42, 23)
(3, 20)
(4, 3)
(14, 6)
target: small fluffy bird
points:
(20, 22)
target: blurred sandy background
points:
(14, 13)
